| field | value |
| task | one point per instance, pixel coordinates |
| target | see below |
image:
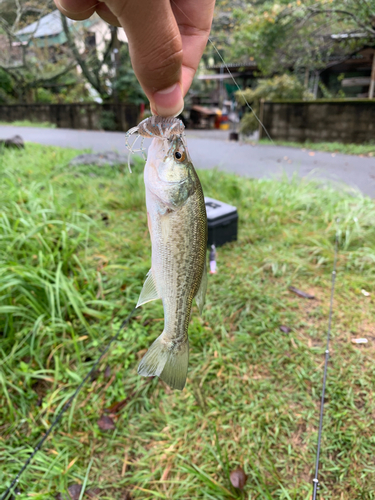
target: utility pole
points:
(116, 64)
(371, 91)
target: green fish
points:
(177, 223)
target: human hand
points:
(166, 41)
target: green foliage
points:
(330, 147)
(29, 123)
(74, 251)
(6, 87)
(297, 33)
(327, 94)
(270, 89)
(76, 92)
(127, 85)
(108, 120)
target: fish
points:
(177, 223)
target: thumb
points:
(155, 49)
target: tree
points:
(26, 63)
(301, 34)
(34, 60)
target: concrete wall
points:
(89, 116)
(342, 121)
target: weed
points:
(74, 251)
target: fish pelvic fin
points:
(149, 291)
(200, 297)
(169, 364)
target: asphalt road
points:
(210, 149)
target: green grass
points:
(28, 123)
(329, 147)
(74, 251)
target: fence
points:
(89, 116)
(347, 121)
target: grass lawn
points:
(329, 147)
(28, 123)
(74, 252)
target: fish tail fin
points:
(171, 365)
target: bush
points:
(270, 89)
(108, 120)
(6, 87)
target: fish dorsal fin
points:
(201, 293)
(149, 291)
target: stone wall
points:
(347, 121)
(89, 116)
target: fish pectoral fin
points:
(200, 297)
(149, 291)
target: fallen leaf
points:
(75, 491)
(359, 341)
(300, 293)
(105, 423)
(365, 292)
(107, 372)
(70, 465)
(311, 153)
(119, 405)
(285, 329)
(166, 472)
(238, 478)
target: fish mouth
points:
(172, 182)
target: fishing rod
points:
(58, 417)
(317, 460)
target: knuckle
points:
(163, 61)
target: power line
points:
(63, 409)
(316, 480)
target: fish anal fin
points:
(149, 291)
(201, 293)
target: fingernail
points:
(169, 101)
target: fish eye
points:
(180, 156)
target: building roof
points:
(49, 25)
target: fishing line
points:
(316, 480)
(64, 408)
(230, 73)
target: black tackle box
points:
(222, 220)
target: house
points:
(48, 31)
(244, 74)
(354, 75)
(47, 34)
